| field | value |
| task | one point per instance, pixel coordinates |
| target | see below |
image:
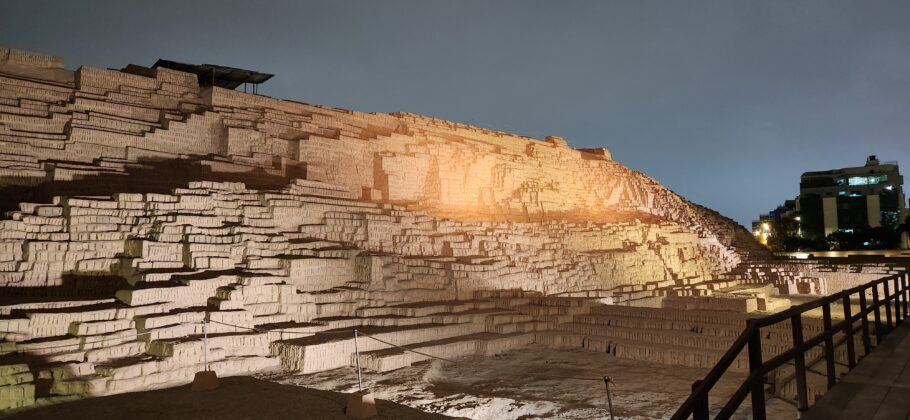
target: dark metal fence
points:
(889, 294)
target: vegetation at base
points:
(872, 239)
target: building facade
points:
(783, 220)
(851, 199)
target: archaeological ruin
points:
(158, 224)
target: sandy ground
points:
(529, 383)
(536, 382)
(236, 398)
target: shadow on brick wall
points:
(144, 176)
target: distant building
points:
(851, 199)
(784, 220)
(763, 229)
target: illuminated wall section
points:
(829, 209)
(873, 210)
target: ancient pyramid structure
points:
(142, 207)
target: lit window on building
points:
(867, 180)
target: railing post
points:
(700, 411)
(877, 315)
(829, 345)
(205, 343)
(357, 355)
(863, 309)
(755, 365)
(848, 332)
(898, 317)
(887, 303)
(904, 292)
(802, 398)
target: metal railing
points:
(697, 407)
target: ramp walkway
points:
(879, 387)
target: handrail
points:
(696, 405)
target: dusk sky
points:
(725, 102)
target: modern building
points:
(784, 220)
(851, 199)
